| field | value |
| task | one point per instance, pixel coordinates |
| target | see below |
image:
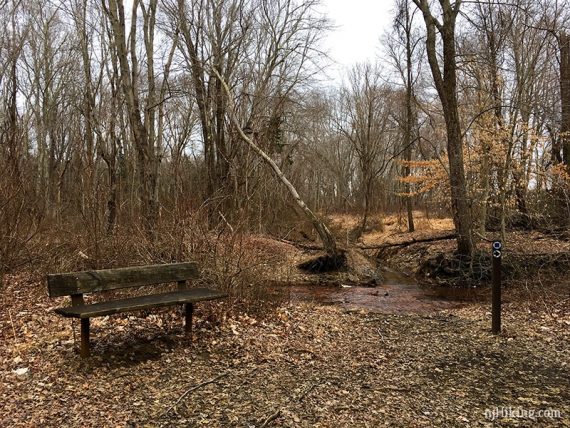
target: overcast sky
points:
(359, 26)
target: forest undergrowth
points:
(289, 363)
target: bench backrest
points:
(74, 283)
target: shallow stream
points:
(397, 293)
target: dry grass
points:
(385, 227)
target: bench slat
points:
(140, 302)
(66, 284)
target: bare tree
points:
(406, 57)
(365, 124)
(446, 86)
(213, 34)
(564, 46)
(263, 49)
(143, 126)
(326, 236)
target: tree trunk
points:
(446, 86)
(408, 138)
(143, 144)
(329, 243)
(367, 196)
(564, 41)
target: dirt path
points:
(305, 365)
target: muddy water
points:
(396, 294)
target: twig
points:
(484, 238)
(270, 418)
(382, 337)
(13, 328)
(303, 350)
(392, 388)
(226, 221)
(277, 413)
(307, 391)
(188, 391)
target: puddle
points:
(396, 294)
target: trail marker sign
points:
(497, 253)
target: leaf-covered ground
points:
(301, 365)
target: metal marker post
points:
(496, 305)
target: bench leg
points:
(84, 337)
(188, 311)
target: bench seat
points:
(76, 284)
(140, 302)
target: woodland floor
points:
(302, 364)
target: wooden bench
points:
(76, 284)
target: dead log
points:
(300, 245)
(410, 241)
(329, 242)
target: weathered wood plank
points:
(66, 284)
(140, 302)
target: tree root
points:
(325, 263)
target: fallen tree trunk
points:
(410, 241)
(300, 244)
(413, 240)
(326, 236)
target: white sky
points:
(359, 26)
